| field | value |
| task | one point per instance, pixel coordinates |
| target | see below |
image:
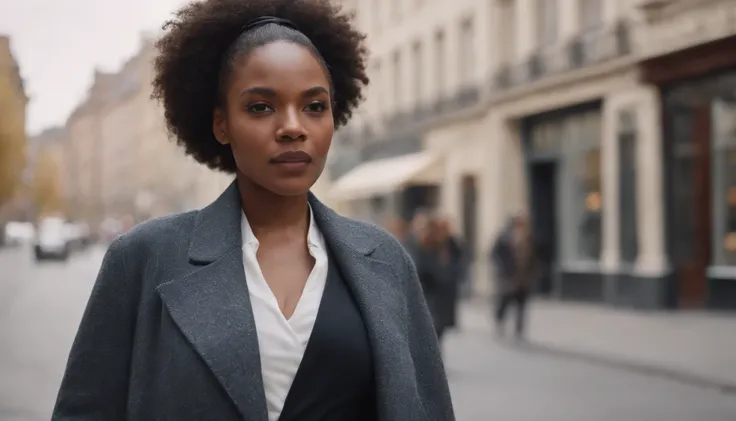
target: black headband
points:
(265, 20)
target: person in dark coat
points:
(514, 257)
(426, 248)
(265, 305)
(454, 258)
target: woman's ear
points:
(219, 126)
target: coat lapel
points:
(379, 294)
(212, 308)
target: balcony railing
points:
(410, 122)
(585, 49)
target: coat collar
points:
(217, 228)
(211, 306)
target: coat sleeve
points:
(432, 385)
(95, 384)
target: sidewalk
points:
(694, 347)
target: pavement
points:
(695, 347)
(490, 378)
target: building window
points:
(591, 14)
(565, 155)
(376, 14)
(591, 26)
(547, 19)
(467, 50)
(377, 79)
(439, 63)
(628, 232)
(581, 186)
(396, 80)
(417, 62)
(723, 114)
(507, 35)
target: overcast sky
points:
(58, 44)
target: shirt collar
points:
(314, 236)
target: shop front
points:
(563, 153)
(698, 91)
(390, 183)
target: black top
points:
(335, 380)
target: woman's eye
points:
(316, 107)
(259, 108)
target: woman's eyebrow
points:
(260, 90)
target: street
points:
(40, 307)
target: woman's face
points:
(278, 118)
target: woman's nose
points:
(291, 127)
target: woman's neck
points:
(268, 212)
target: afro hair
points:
(198, 40)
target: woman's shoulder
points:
(387, 248)
(373, 232)
(155, 235)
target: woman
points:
(265, 305)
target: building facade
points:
(13, 103)
(83, 150)
(492, 107)
(125, 165)
(690, 59)
(46, 160)
(608, 121)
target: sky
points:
(59, 43)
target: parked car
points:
(19, 233)
(52, 241)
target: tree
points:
(46, 186)
(12, 139)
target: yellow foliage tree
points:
(12, 139)
(46, 185)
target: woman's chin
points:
(294, 187)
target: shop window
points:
(724, 142)
(627, 143)
(589, 225)
(571, 145)
(582, 202)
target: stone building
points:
(481, 108)
(13, 103)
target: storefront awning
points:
(387, 175)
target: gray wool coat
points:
(168, 332)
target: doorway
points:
(470, 215)
(544, 219)
(690, 201)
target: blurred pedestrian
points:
(427, 249)
(514, 258)
(453, 257)
(266, 304)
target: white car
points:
(19, 233)
(52, 240)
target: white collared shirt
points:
(282, 342)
